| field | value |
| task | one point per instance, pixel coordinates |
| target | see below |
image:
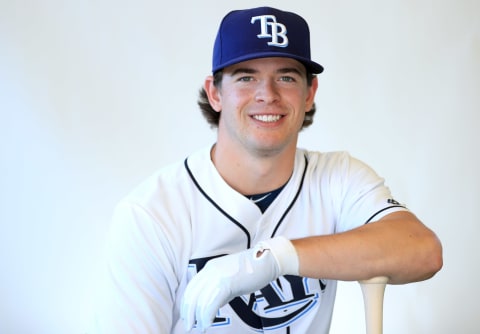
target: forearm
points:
(399, 247)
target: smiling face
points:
(262, 103)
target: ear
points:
(312, 90)
(213, 94)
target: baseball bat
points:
(373, 291)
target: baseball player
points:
(250, 235)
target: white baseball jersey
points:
(165, 231)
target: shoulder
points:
(326, 161)
(338, 168)
(158, 184)
(165, 189)
(336, 160)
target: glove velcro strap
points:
(284, 253)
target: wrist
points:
(284, 253)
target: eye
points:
(245, 78)
(287, 78)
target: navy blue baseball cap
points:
(259, 33)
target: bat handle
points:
(373, 291)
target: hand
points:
(230, 276)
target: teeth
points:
(267, 118)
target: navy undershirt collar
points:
(264, 200)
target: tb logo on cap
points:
(278, 30)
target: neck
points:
(253, 174)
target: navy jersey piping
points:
(216, 205)
(233, 219)
(378, 212)
(294, 199)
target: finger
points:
(209, 303)
(206, 308)
(187, 315)
(189, 303)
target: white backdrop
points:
(96, 95)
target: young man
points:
(251, 234)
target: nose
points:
(267, 92)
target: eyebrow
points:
(243, 70)
(283, 70)
(290, 70)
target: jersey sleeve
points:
(138, 288)
(364, 196)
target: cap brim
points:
(310, 65)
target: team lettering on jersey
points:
(275, 306)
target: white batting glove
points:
(230, 276)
